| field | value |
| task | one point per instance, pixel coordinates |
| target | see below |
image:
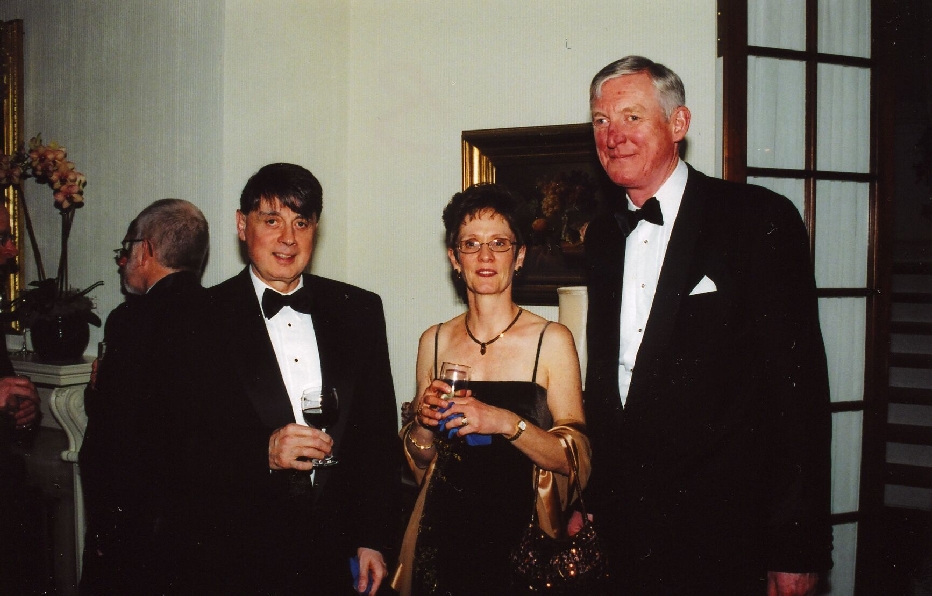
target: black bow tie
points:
(272, 301)
(649, 212)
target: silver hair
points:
(177, 231)
(669, 87)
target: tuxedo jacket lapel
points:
(678, 275)
(251, 348)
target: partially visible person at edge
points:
(476, 500)
(19, 412)
(707, 388)
(126, 486)
(263, 517)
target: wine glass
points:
(25, 349)
(320, 407)
(456, 376)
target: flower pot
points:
(60, 338)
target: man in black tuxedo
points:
(126, 484)
(265, 518)
(706, 390)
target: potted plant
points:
(57, 315)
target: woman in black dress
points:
(524, 394)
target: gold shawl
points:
(555, 491)
(553, 494)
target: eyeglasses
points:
(125, 248)
(6, 236)
(496, 245)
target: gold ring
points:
(465, 422)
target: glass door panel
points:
(843, 226)
(845, 27)
(776, 113)
(846, 460)
(841, 577)
(843, 118)
(777, 24)
(843, 323)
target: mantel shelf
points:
(59, 374)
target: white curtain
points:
(776, 113)
(777, 24)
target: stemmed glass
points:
(25, 349)
(456, 376)
(320, 407)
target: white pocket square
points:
(704, 286)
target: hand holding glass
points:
(456, 376)
(320, 407)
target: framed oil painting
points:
(556, 171)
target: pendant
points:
(482, 349)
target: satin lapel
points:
(612, 272)
(328, 314)
(674, 282)
(252, 355)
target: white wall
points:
(285, 100)
(188, 98)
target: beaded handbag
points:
(571, 565)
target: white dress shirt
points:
(295, 343)
(645, 249)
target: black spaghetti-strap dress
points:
(479, 500)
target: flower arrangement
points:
(49, 165)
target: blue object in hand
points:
(471, 439)
(354, 569)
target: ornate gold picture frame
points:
(556, 171)
(11, 113)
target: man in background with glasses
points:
(130, 400)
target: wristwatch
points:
(519, 428)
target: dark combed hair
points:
(477, 199)
(178, 233)
(293, 186)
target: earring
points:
(459, 273)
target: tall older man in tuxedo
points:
(265, 518)
(706, 393)
(127, 485)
